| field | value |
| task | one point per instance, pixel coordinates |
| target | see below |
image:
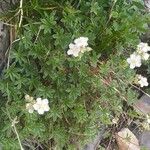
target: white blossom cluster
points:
(79, 47)
(39, 105)
(142, 81)
(135, 60)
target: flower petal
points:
(39, 100)
(31, 111)
(36, 106)
(46, 108)
(40, 111)
(70, 52)
(45, 101)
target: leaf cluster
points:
(84, 93)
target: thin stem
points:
(37, 35)
(21, 13)
(110, 16)
(13, 121)
(131, 84)
(16, 132)
(115, 89)
(8, 24)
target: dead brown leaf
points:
(126, 140)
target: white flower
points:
(142, 50)
(134, 60)
(28, 98)
(30, 101)
(41, 105)
(145, 56)
(142, 81)
(29, 107)
(143, 47)
(86, 49)
(81, 42)
(78, 47)
(73, 50)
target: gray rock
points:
(147, 4)
(143, 105)
(145, 140)
(5, 5)
(4, 44)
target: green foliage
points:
(83, 93)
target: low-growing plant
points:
(82, 91)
